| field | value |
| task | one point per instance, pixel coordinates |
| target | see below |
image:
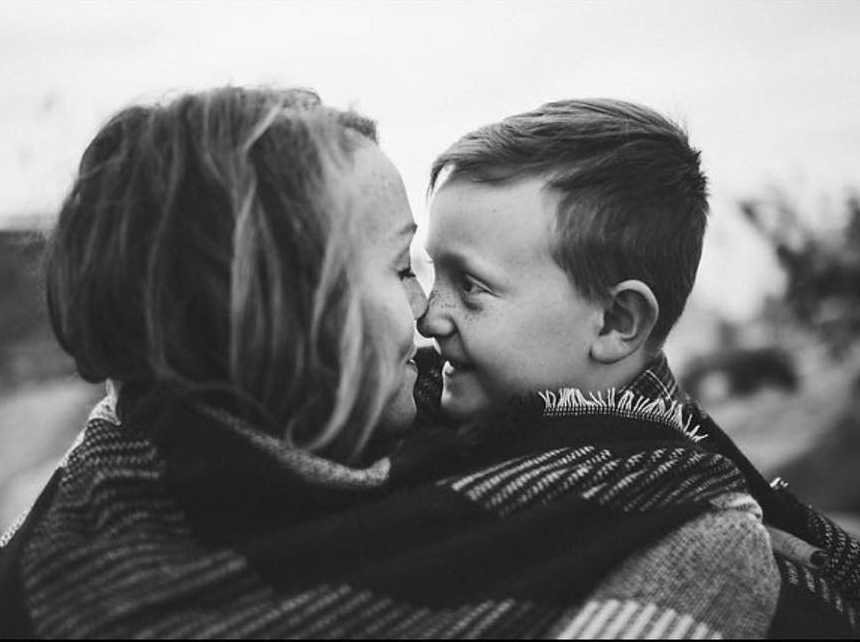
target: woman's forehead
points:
(382, 205)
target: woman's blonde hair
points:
(206, 249)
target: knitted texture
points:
(516, 548)
(591, 522)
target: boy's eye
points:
(469, 286)
(406, 273)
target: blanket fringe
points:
(627, 403)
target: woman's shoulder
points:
(108, 484)
(16, 622)
(94, 497)
(105, 460)
(105, 533)
(108, 462)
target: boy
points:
(565, 243)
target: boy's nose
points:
(435, 322)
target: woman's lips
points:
(410, 360)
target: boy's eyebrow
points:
(462, 261)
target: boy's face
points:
(507, 319)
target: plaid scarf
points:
(603, 518)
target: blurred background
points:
(770, 91)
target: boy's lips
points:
(454, 362)
(454, 366)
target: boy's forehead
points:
(515, 217)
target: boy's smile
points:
(505, 316)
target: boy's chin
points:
(460, 407)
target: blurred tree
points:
(822, 266)
(28, 351)
(822, 300)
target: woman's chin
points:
(399, 425)
(399, 415)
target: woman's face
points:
(394, 298)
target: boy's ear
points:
(629, 316)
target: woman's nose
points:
(417, 301)
(435, 322)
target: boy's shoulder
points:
(706, 572)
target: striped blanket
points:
(601, 524)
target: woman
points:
(237, 262)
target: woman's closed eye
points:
(406, 273)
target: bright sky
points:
(769, 90)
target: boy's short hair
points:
(634, 198)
